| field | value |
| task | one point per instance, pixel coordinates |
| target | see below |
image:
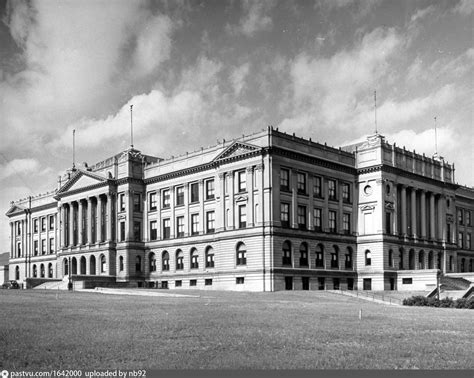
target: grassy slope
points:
(291, 330)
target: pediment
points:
(236, 149)
(15, 209)
(81, 180)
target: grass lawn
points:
(227, 330)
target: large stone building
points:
(269, 211)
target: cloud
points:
(255, 18)
(359, 8)
(238, 77)
(464, 7)
(420, 14)
(20, 167)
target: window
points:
(367, 283)
(317, 219)
(346, 192)
(166, 198)
(41, 270)
(368, 258)
(152, 262)
(317, 189)
(286, 249)
(152, 201)
(35, 227)
(463, 265)
(17, 273)
(194, 259)
(305, 283)
(346, 223)
(194, 224)
(321, 283)
(285, 214)
(43, 246)
(51, 245)
(210, 222)
(180, 227)
(335, 258)
(209, 257)
(390, 258)
(166, 229)
(122, 231)
(242, 181)
(301, 217)
(320, 256)
(179, 260)
(284, 179)
(153, 230)
(138, 264)
(239, 280)
(303, 254)
(137, 199)
(301, 183)
(43, 224)
(460, 217)
(122, 201)
(137, 231)
(332, 221)
(103, 264)
(336, 283)
(460, 240)
(332, 189)
(421, 260)
(121, 263)
(348, 262)
(165, 261)
(180, 196)
(288, 283)
(407, 281)
(242, 216)
(438, 262)
(388, 222)
(468, 241)
(164, 284)
(208, 282)
(50, 270)
(210, 189)
(35, 248)
(18, 227)
(18, 249)
(178, 283)
(430, 260)
(35, 272)
(241, 254)
(192, 282)
(194, 192)
(51, 222)
(468, 218)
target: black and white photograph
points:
(244, 187)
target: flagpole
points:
(131, 126)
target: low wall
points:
(33, 282)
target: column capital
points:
(249, 169)
(230, 173)
(259, 167)
(221, 175)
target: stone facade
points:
(269, 211)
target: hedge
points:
(420, 300)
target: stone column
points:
(423, 214)
(99, 219)
(63, 215)
(231, 219)
(413, 213)
(403, 208)
(432, 216)
(110, 218)
(80, 222)
(250, 209)
(172, 216)
(294, 200)
(12, 241)
(90, 221)
(222, 199)
(202, 224)
(311, 205)
(71, 224)
(259, 177)
(325, 210)
(441, 218)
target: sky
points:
(198, 72)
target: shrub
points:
(420, 300)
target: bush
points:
(420, 300)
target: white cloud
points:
(420, 14)
(19, 167)
(238, 76)
(255, 18)
(465, 7)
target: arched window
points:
(411, 259)
(320, 256)
(430, 260)
(463, 265)
(83, 265)
(50, 270)
(368, 258)
(103, 264)
(421, 260)
(179, 260)
(73, 265)
(348, 262)
(165, 261)
(209, 257)
(92, 266)
(440, 256)
(241, 251)
(400, 259)
(390, 258)
(471, 267)
(152, 262)
(121, 263)
(66, 266)
(42, 271)
(35, 271)
(194, 258)
(138, 264)
(286, 248)
(17, 273)
(303, 254)
(335, 257)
